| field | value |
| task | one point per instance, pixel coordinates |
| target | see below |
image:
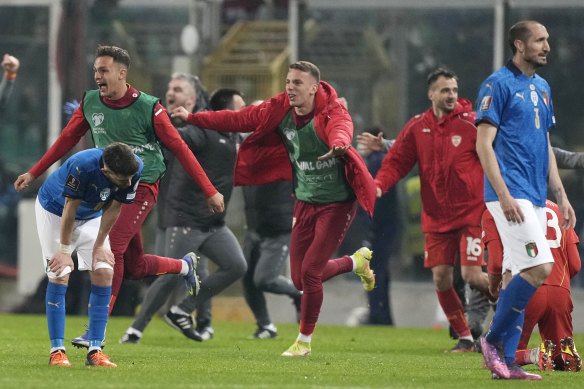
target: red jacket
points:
(451, 175)
(262, 156)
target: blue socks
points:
(510, 307)
(98, 313)
(511, 340)
(55, 309)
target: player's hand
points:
(495, 283)
(180, 113)
(370, 142)
(102, 254)
(59, 262)
(69, 108)
(511, 210)
(379, 192)
(10, 64)
(335, 152)
(568, 215)
(215, 203)
(23, 181)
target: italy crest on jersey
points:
(531, 248)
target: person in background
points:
(10, 64)
(189, 226)
(442, 142)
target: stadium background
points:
(376, 53)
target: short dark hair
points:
(375, 130)
(308, 67)
(118, 54)
(521, 31)
(440, 72)
(120, 159)
(223, 99)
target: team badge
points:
(72, 182)
(456, 139)
(534, 98)
(104, 194)
(289, 133)
(531, 248)
(97, 118)
(486, 103)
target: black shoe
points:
(463, 346)
(264, 333)
(452, 333)
(130, 338)
(204, 333)
(182, 323)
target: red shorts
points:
(442, 248)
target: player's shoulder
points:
(88, 159)
(498, 79)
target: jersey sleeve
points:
(73, 132)
(491, 101)
(400, 159)
(552, 117)
(77, 178)
(168, 135)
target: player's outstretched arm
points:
(370, 141)
(23, 181)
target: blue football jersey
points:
(80, 177)
(520, 107)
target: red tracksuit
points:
(318, 228)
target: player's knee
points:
(102, 275)
(62, 279)
(240, 268)
(442, 280)
(135, 273)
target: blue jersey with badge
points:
(520, 107)
(80, 177)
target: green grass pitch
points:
(342, 357)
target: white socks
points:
(304, 338)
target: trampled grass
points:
(343, 357)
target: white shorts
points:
(83, 239)
(524, 245)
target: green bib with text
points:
(318, 182)
(131, 125)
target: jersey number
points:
(537, 124)
(473, 246)
(554, 224)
